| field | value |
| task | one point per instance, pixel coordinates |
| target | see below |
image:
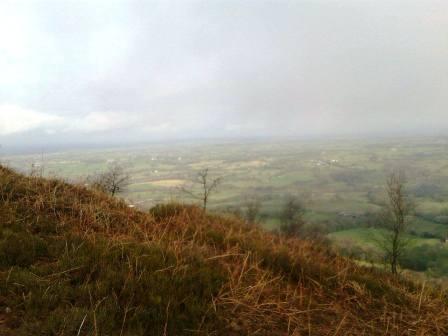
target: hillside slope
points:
(77, 262)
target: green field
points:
(341, 181)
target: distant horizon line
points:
(21, 149)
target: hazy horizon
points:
(18, 149)
(99, 73)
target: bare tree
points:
(112, 181)
(291, 216)
(38, 168)
(207, 186)
(234, 210)
(252, 211)
(396, 215)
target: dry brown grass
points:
(267, 285)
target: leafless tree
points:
(234, 210)
(207, 187)
(112, 181)
(252, 211)
(291, 216)
(396, 214)
(38, 168)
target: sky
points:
(123, 71)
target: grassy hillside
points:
(77, 262)
(341, 181)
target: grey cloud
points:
(193, 68)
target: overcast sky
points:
(110, 71)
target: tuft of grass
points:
(165, 211)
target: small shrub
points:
(21, 249)
(162, 211)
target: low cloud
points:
(15, 119)
(101, 122)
